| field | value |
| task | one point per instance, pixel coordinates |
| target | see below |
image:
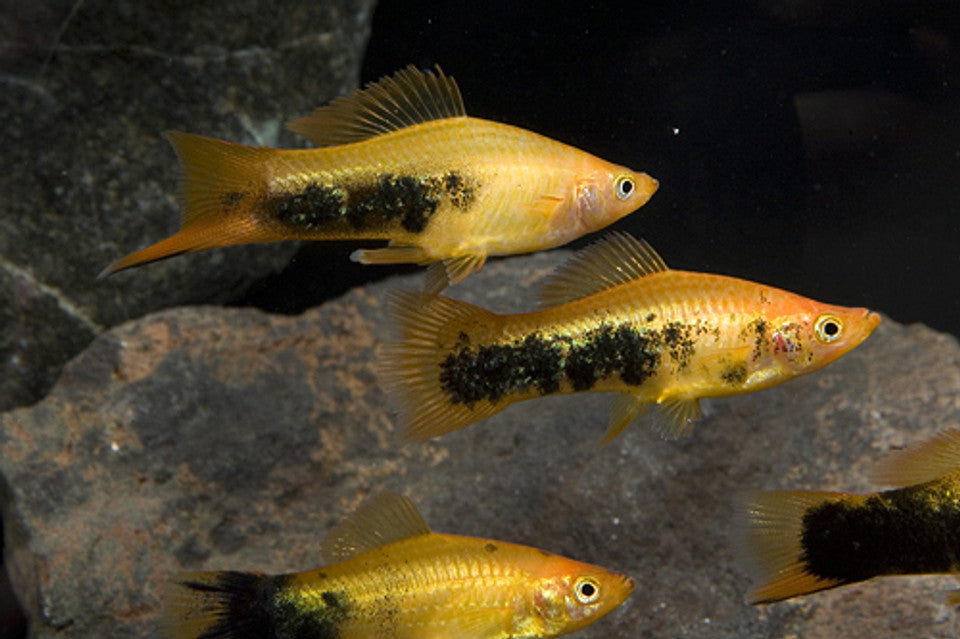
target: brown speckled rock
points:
(86, 90)
(212, 438)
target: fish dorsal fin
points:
(615, 259)
(921, 463)
(410, 96)
(381, 520)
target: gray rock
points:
(210, 438)
(88, 88)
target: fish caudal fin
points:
(220, 183)
(227, 605)
(411, 366)
(773, 537)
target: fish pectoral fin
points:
(399, 254)
(546, 205)
(625, 409)
(676, 417)
(451, 271)
(381, 520)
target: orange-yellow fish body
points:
(807, 541)
(399, 161)
(617, 320)
(422, 585)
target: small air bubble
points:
(675, 130)
(114, 447)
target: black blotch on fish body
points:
(490, 372)
(231, 199)
(490, 547)
(296, 621)
(912, 530)
(542, 362)
(623, 349)
(677, 337)
(734, 374)
(761, 341)
(386, 202)
(330, 598)
(315, 207)
(460, 192)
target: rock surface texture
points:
(87, 90)
(211, 438)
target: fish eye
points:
(828, 328)
(623, 186)
(587, 590)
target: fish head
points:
(571, 595)
(606, 194)
(807, 341)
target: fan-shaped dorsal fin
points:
(410, 96)
(381, 520)
(615, 259)
(921, 463)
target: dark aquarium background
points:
(811, 145)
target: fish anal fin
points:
(676, 417)
(381, 520)
(615, 259)
(921, 463)
(408, 97)
(410, 367)
(451, 271)
(396, 254)
(625, 409)
(793, 584)
(773, 538)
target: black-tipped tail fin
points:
(221, 605)
(410, 367)
(774, 539)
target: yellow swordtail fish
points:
(401, 161)
(395, 579)
(615, 318)
(805, 541)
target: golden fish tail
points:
(410, 367)
(774, 537)
(218, 192)
(228, 605)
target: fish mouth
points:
(871, 319)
